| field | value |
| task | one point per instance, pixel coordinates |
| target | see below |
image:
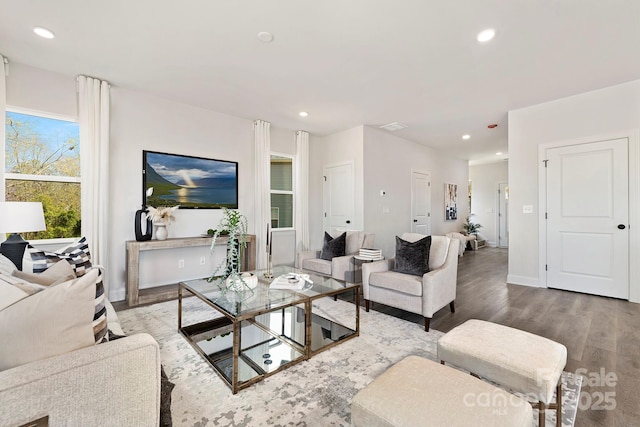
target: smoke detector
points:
(392, 127)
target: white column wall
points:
(610, 110)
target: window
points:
(281, 191)
(42, 164)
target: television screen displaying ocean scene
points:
(188, 181)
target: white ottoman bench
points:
(516, 359)
(419, 392)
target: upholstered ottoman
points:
(516, 359)
(418, 392)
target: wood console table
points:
(136, 296)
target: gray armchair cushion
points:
(333, 247)
(318, 265)
(399, 282)
(412, 257)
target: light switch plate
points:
(527, 209)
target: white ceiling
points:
(346, 62)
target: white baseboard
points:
(523, 280)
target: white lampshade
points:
(21, 217)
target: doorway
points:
(503, 215)
(587, 217)
(339, 197)
(421, 203)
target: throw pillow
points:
(58, 273)
(9, 293)
(55, 321)
(26, 287)
(6, 265)
(77, 255)
(333, 247)
(412, 257)
(354, 242)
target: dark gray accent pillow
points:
(333, 247)
(412, 257)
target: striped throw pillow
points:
(99, 324)
(77, 254)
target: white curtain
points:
(93, 109)
(262, 214)
(302, 191)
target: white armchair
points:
(422, 295)
(339, 267)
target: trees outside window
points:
(281, 191)
(42, 164)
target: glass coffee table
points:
(249, 336)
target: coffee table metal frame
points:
(298, 297)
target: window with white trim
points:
(42, 164)
(281, 191)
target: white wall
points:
(336, 148)
(601, 112)
(388, 163)
(484, 197)
(141, 122)
(41, 90)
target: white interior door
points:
(503, 217)
(587, 218)
(339, 197)
(421, 203)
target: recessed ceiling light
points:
(43, 32)
(303, 114)
(499, 153)
(265, 36)
(486, 35)
(466, 136)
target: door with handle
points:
(421, 202)
(339, 197)
(587, 217)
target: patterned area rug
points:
(317, 392)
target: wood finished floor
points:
(599, 333)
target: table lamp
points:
(19, 217)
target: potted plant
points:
(161, 218)
(234, 225)
(471, 227)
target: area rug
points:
(316, 392)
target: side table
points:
(357, 266)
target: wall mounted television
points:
(189, 181)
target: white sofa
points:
(339, 267)
(116, 383)
(423, 295)
(464, 239)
